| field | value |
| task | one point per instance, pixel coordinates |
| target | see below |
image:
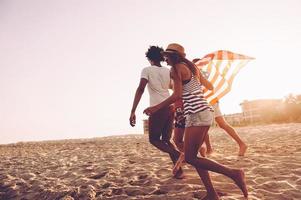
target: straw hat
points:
(175, 48)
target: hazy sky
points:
(69, 69)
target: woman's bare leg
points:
(206, 148)
(178, 138)
(194, 136)
(231, 131)
(208, 145)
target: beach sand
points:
(128, 167)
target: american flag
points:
(221, 67)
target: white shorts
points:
(217, 110)
(203, 118)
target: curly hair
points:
(154, 54)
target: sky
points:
(69, 69)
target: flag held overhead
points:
(221, 67)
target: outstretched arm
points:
(138, 95)
(205, 82)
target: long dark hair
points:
(177, 58)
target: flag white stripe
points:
(224, 66)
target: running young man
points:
(157, 78)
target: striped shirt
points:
(193, 97)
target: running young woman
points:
(199, 116)
(223, 124)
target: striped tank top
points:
(193, 97)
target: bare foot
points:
(178, 164)
(242, 150)
(221, 194)
(179, 174)
(239, 179)
(209, 152)
(203, 151)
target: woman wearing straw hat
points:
(199, 116)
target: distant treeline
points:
(266, 111)
(288, 111)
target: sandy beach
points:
(128, 167)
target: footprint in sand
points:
(132, 162)
(98, 176)
(106, 185)
(117, 191)
(159, 192)
(143, 176)
(135, 191)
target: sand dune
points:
(128, 167)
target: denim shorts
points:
(203, 118)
